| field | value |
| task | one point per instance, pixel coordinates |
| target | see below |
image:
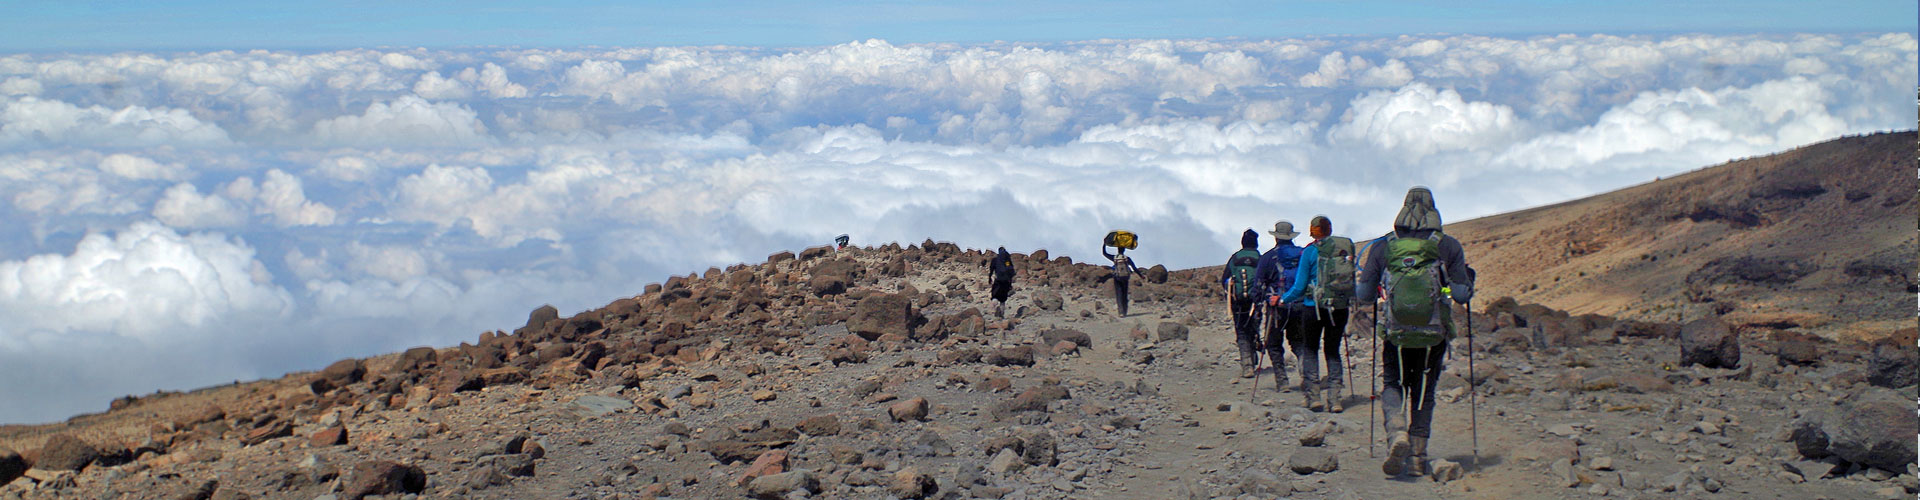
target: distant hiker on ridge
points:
(1322, 285)
(1413, 264)
(1272, 277)
(1238, 279)
(1123, 267)
(1000, 274)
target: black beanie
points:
(1250, 239)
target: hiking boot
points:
(1000, 311)
(1399, 448)
(1312, 396)
(1246, 371)
(1280, 381)
(1333, 400)
(1417, 464)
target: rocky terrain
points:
(874, 373)
(1819, 240)
(1688, 338)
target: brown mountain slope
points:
(1819, 239)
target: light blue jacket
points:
(1305, 276)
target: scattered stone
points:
(1445, 471)
(768, 463)
(1007, 461)
(1709, 342)
(1040, 450)
(1893, 366)
(1564, 474)
(12, 465)
(1048, 300)
(1311, 460)
(65, 452)
(764, 395)
(778, 486)
(912, 409)
(331, 436)
(383, 477)
(910, 483)
(1317, 435)
(679, 391)
(1010, 356)
(1259, 483)
(819, 425)
(1172, 331)
(593, 405)
(1058, 335)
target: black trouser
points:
(1421, 366)
(1120, 292)
(1246, 330)
(1324, 330)
(1283, 320)
(1001, 289)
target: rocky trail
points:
(883, 373)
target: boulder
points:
(1875, 431)
(331, 436)
(1156, 274)
(777, 486)
(1310, 460)
(12, 465)
(1172, 331)
(819, 425)
(912, 409)
(1010, 356)
(912, 484)
(1709, 342)
(339, 374)
(65, 452)
(540, 316)
(882, 314)
(1048, 300)
(1040, 450)
(1058, 335)
(1893, 365)
(264, 433)
(1007, 461)
(384, 477)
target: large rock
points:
(1893, 366)
(1709, 342)
(1311, 460)
(912, 484)
(1876, 431)
(1048, 300)
(1010, 356)
(540, 316)
(912, 409)
(339, 374)
(777, 486)
(1058, 335)
(882, 314)
(12, 466)
(383, 477)
(65, 452)
(1156, 274)
(1172, 331)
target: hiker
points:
(1123, 269)
(1322, 284)
(840, 242)
(1272, 276)
(1000, 274)
(1238, 279)
(1413, 264)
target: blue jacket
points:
(1275, 271)
(1304, 276)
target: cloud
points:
(405, 122)
(372, 200)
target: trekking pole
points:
(1348, 351)
(1473, 396)
(1373, 379)
(1259, 349)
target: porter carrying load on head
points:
(1123, 267)
(1422, 272)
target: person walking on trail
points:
(1417, 270)
(1123, 269)
(1273, 275)
(1238, 279)
(1322, 285)
(1000, 275)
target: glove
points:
(1462, 293)
(1273, 301)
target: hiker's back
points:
(1240, 274)
(1416, 311)
(1333, 280)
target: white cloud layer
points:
(250, 213)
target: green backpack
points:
(1240, 270)
(1416, 311)
(1333, 286)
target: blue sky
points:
(59, 25)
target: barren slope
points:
(1820, 239)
